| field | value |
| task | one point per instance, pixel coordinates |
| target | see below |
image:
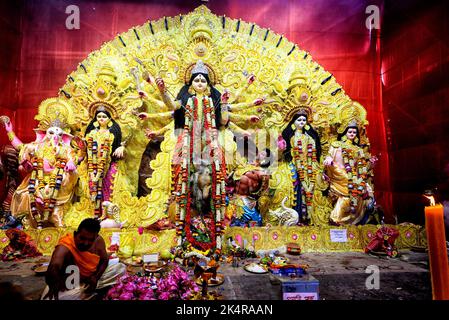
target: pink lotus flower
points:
(130, 287)
(175, 285)
(126, 296)
(147, 296)
(119, 287)
(142, 288)
(164, 296)
(114, 295)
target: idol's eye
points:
(51, 132)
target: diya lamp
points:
(436, 242)
(205, 271)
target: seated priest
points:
(84, 250)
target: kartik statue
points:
(347, 167)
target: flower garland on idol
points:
(48, 187)
(182, 189)
(357, 171)
(307, 173)
(97, 162)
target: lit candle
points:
(436, 241)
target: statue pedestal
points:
(310, 239)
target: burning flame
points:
(432, 200)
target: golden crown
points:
(54, 112)
(200, 67)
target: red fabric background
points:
(415, 88)
(38, 52)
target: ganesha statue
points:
(49, 164)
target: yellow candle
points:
(436, 241)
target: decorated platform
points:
(310, 239)
(229, 124)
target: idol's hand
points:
(251, 78)
(328, 161)
(142, 94)
(8, 126)
(150, 134)
(147, 77)
(225, 96)
(160, 84)
(70, 166)
(142, 115)
(254, 119)
(258, 101)
(119, 152)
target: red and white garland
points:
(357, 170)
(306, 171)
(182, 170)
(97, 166)
(48, 190)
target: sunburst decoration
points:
(287, 79)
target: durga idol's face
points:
(199, 83)
(102, 119)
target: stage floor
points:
(341, 275)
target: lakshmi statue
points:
(104, 147)
(302, 153)
(50, 166)
(347, 167)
